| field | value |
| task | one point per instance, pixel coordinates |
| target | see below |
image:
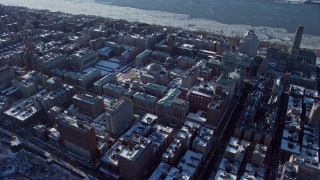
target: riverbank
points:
(90, 7)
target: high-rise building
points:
(217, 108)
(198, 100)
(235, 61)
(27, 43)
(295, 48)
(119, 113)
(300, 168)
(249, 44)
(135, 158)
(190, 77)
(78, 137)
(88, 103)
(172, 45)
(314, 116)
(6, 75)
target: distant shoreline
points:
(273, 35)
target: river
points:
(269, 13)
(272, 21)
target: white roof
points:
(223, 175)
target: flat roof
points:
(226, 81)
(145, 96)
(186, 58)
(156, 87)
(114, 87)
(191, 161)
(72, 121)
(144, 54)
(149, 118)
(91, 99)
(105, 79)
(140, 145)
(167, 99)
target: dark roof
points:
(307, 54)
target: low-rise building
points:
(144, 102)
(82, 59)
(109, 78)
(88, 79)
(173, 152)
(203, 141)
(154, 73)
(142, 58)
(155, 89)
(191, 162)
(129, 55)
(112, 90)
(235, 150)
(27, 112)
(259, 155)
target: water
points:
(271, 21)
(249, 12)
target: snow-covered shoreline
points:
(90, 7)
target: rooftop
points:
(90, 75)
(117, 88)
(230, 166)
(144, 54)
(186, 58)
(176, 173)
(190, 162)
(88, 98)
(226, 81)
(136, 145)
(105, 79)
(145, 96)
(25, 109)
(72, 121)
(156, 87)
(171, 95)
(252, 172)
(161, 171)
(149, 118)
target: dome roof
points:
(153, 67)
